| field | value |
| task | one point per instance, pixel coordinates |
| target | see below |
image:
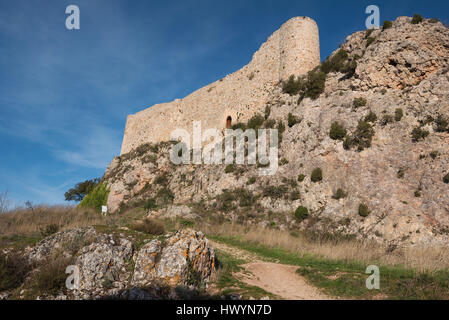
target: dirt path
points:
(278, 279)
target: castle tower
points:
(293, 49)
(299, 47)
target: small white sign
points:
(104, 209)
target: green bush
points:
(361, 138)
(446, 179)
(229, 168)
(401, 173)
(338, 63)
(386, 119)
(164, 196)
(434, 154)
(371, 117)
(292, 120)
(96, 198)
(417, 19)
(317, 175)
(363, 210)
(316, 82)
(301, 213)
(151, 204)
(339, 194)
(301, 177)
(251, 180)
(369, 41)
(337, 131)
(368, 33)
(419, 134)
(441, 124)
(267, 112)
(269, 124)
(359, 102)
(239, 125)
(398, 114)
(162, 179)
(255, 122)
(417, 194)
(387, 25)
(293, 86)
(275, 192)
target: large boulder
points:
(184, 258)
(68, 242)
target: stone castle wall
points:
(293, 49)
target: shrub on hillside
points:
(301, 213)
(339, 194)
(317, 175)
(337, 63)
(301, 177)
(363, 210)
(371, 117)
(267, 112)
(419, 134)
(441, 123)
(292, 120)
(417, 18)
(386, 119)
(293, 86)
(387, 25)
(255, 122)
(274, 192)
(315, 85)
(398, 114)
(164, 196)
(361, 138)
(446, 179)
(337, 131)
(96, 198)
(359, 102)
(369, 41)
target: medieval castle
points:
(293, 49)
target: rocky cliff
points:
(367, 156)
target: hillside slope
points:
(389, 92)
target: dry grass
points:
(150, 226)
(32, 221)
(421, 259)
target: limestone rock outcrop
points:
(402, 77)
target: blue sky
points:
(65, 95)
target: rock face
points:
(105, 260)
(111, 266)
(69, 242)
(402, 74)
(184, 258)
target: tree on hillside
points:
(81, 189)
